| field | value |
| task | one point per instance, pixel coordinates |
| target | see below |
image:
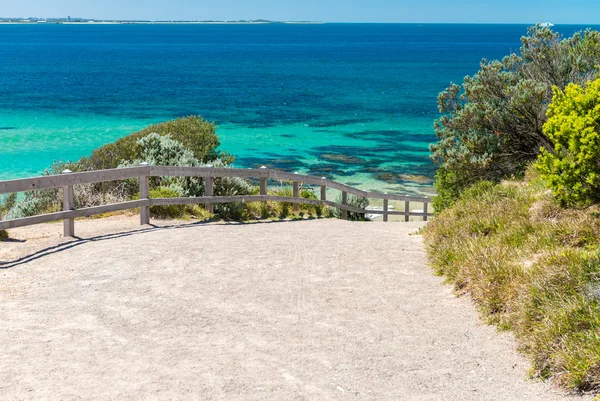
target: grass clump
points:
(531, 267)
(175, 211)
(5, 205)
(283, 210)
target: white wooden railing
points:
(68, 179)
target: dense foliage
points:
(532, 267)
(492, 125)
(192, 132)
(573, 126)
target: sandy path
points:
(313, 310)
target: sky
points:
(432, 11)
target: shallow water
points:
(354, 102)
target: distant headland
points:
(77, 20)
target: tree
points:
(573, 169)
(492, 125)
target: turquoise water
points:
(354, 102)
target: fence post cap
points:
(263, 166)
(295, 172)
(144, 164)
(209, 165)
(323, 178)
(67, 171)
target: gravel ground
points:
(310, 310)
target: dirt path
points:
(313, 310)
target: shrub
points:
(192, 132)
(6, 205)
(573, 169)
(532, 267)
(354, 201)
(491, 126)
(174, 211)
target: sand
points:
(308, 310)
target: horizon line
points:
(24, 20)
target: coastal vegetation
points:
(518, 222)
(188, 141)
(491, 126)
(532, 267)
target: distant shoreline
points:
(160, 22)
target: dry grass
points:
(531, 267)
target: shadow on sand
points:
(77, 241)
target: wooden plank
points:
(144, 194)
(209, 183)
(346, 207)
(397, 213)
(63, 180)
(72, 214)
(296, 194)
(68, 205)
(385, 210)
(230, 199)
(425, 211)
(283, 176)
(202, 200)
(263, 185)
(406, 210)
(177, 171)
(344, 202)
(377, 195)
(323, 192)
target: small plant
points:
(285, 210)
(354, 201)
(8, 203)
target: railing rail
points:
(68, 179)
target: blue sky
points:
(504, 11)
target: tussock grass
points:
(531, 267)
(284, 210)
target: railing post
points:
(296, 194)
(385, 209)
(323, 190)
(68, 204)
(424, 211)
(344, 202)
(144, 194)
(263, 184)
(208, 191)
(406, 210)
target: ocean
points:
(354, 102)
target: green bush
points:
(531, 267)
(573, 169)
(174, 211)
(6, 205)
(354, 201)
(192, 132)
(491, 125)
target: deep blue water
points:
(283, 95)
